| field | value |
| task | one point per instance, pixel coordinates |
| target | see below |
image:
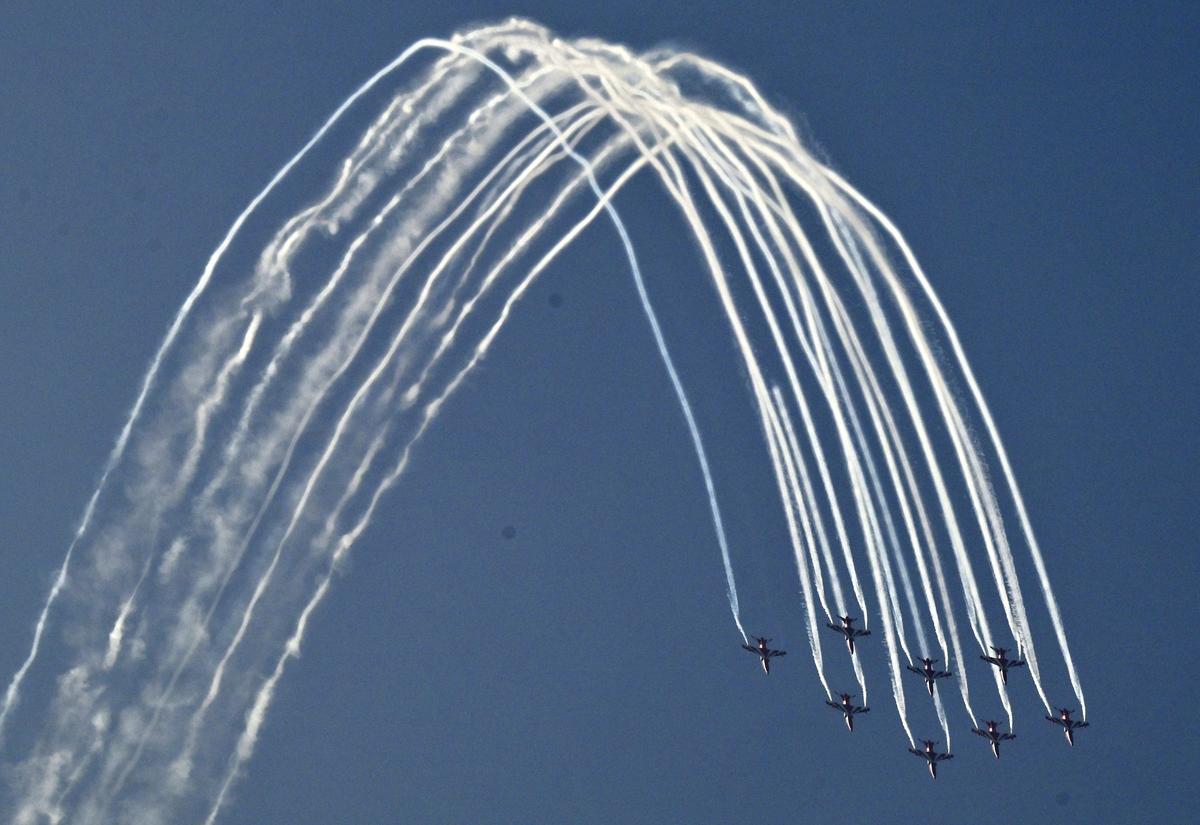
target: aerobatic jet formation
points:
(764, 653)
(359, 295)
(930, 755)
(847, 629)
(1068, 724)
(993, 735)
(929, 673)
(1002, 661)
(847, 708)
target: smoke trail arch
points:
(324, 361)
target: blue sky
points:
(1041, 163)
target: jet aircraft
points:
(1002, 661)
(928, 673)
(764, 653)
(994, 736)
(847, 629)
(1068, 724)
(847, 708)
(930, 755)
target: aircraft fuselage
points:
(1068, 725)
(931, 757)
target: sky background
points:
(1042, 165)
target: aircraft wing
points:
(1016, 663)
(1056, 721)
(1007, 736)
(773, 653)
(862, 710)
(833, 705)
(990, 660)
(751, 648)
(832, 626)
(942, 674)
(917, 752)
(982, 733)
(916, 670)
(1079, 724)
(862, 633)
(942, 757)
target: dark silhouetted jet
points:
(994, 736)
(930, 755)
(764, 653)
(847, 629)
(1003, 662)
(847, 708)
(1068, 724)
(928, 673)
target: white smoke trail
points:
(846, 244)
(12, 692)
(821, 367)
(861, 498)
(215, 681)
(117, 634)
(675, 184)
(955, 428)
(794, 447)
(791, 502)
(781, 127)
(835, 306)
(289, 238)
(876, 406)
(510, 193)
(206, 408)
(679, 191)
(331, 447)
(257, 716)
(312, 390)
(993, 433)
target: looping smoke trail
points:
(325, 358)
(793, 502)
